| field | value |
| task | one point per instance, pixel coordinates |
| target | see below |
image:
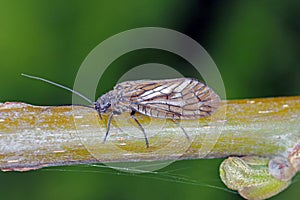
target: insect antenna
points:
(61, 86)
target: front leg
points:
(108, 126)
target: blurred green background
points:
(255, 45)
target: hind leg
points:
(186, 135)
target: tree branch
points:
(32, 137)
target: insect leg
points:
(141, 127)
(108, 126)
(186, 135)
(99, 113)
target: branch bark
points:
(32, 137)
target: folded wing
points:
(182, 98)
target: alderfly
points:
(181, 98)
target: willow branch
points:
(32, 137)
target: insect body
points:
(182, 98)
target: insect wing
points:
(182, 98)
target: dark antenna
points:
(61, 86)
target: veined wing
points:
(182, 98)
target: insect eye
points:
(107, 105)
